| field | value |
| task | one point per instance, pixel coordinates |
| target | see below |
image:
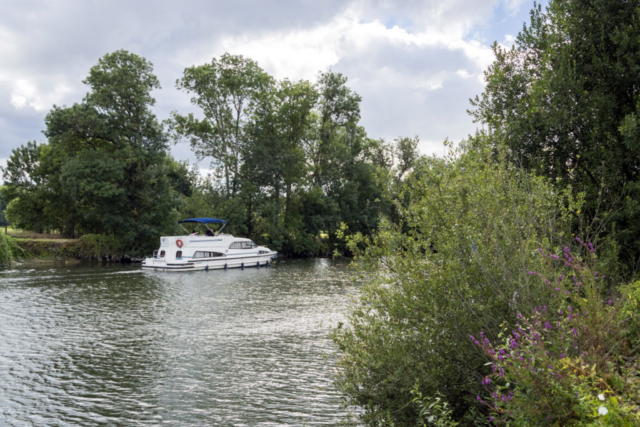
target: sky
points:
(415, 63)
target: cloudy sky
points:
(415, 63)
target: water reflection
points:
(111, 344)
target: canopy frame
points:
(203, 221)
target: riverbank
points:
(89, 247)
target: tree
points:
(24, 190)
(565, 100)
(103, 169)
(3, 217)
(274, 153)
(406, 151)
(224, 90)
(293, 161)
(339, 108)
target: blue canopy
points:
(204, 221)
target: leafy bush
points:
(432, 412)
(5, 251)
(453, 263)
(98, 246)
(573, 365)
(9, 251)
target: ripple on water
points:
(95, 345)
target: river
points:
(92, 344)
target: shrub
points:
(6, 254)
(453, 263)
(98, 246)
(571, 365)
(9, 251)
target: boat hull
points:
(221, 263)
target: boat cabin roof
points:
(204, 221)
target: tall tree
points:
(565, 99)
(275, 136)
(4, 222)
(103, 170)
(339, 109)
(224, 90)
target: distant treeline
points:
(290, 162)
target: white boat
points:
(208, 251)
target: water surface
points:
(91, 344)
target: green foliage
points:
(97, 246)
(224, 90)
(565, 100)
(4, 222)
(454, 260)
(6, 253)
(432, 412)
(570, 366)
(291, 162)
(104, 169)
(24, 192)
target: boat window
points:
(179, 255)
(162, 254)
(155, 254)
(203, 254)
(243, 245)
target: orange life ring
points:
(179, 243)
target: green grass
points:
(29, 235)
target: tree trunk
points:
(249, 218)
(226, 174)
(287, 200)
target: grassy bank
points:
(87, 247)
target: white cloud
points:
(300, 54)
(25, 93)
(413, 81)
(509, 40)
(415, 62)
(513, 6)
